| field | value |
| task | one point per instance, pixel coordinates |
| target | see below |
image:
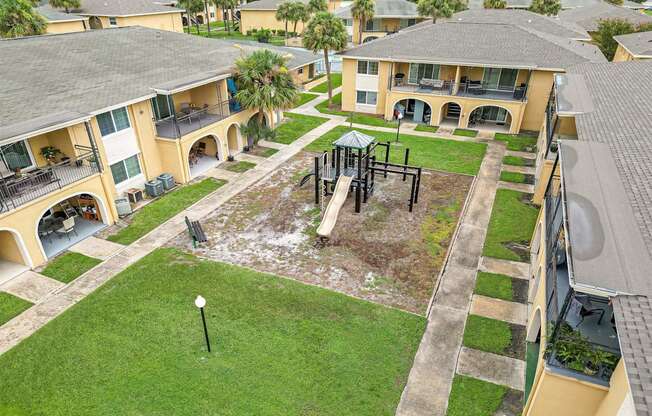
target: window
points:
(373, 25)
(499, 78)
(212, 15)
(14, 157)
(300, 71)
(112, 21)
(366, 97)
(125, 169)
(419, 71)
(348, 22)
(113, 121)
(407, 22)
(368, 67)
(161, 107)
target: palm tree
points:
(494, 4)
(325, 32)
(546, 7)
(18, 18)
(208, 18)
(439, 8)
(283, 14)
(264, 83)
(298, 12)
(255, 132)
(363, 10)
(315, 6)
(192, 8)
(65, 4)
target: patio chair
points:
(588, 309)
(67, 227)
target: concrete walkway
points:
(31, 286)
(49, 308)
(431, 376)
(520, 187)
(96, 247)
(493, 368)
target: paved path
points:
(97, 248)
(493, 368)
(521, 187)
(35, 317)
(31, 286)
(431, 376)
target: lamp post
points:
(399, 116)
(200, 302)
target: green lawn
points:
(465, 132)
(295, 126)
(486, 334)
(494, 285)
(161, 210)
(512, 177)
(516, 161)
(240, 166)
(136, 347)
(222, 34)
(268, 151)
(473, 397)
(511, 226)
(304, 98)
(216, 26)
(69, 266)
(433, 153)
(647, 11)
(531, 361)
(11, 306)
(429, 129)
(518, 142)
(359, 118)
(337, 103)
(336, 81)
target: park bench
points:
(196, 232)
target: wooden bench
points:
(196, 232)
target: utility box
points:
(154, 188)
(167, 180)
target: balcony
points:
(474, 89)
(21, 189)
(191, 119)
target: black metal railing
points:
(468, 88)
(17, 191)
(437, 87)
(180, 124)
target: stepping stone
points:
(526, 155)
(31, 286)
(493, 368)
(516, 269)
(527, 170)
(521, 187)
(96, 248)
(273, 145)
(512, 312)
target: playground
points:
(384, 253)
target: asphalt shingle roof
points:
(565, 4)
(478, 44)
(589, 16)
(120, 8)
(639, 44)
(84, 72)
(386, 8)
(265, 4)
(54, 15)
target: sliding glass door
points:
(15, 157)
(499, 78)
(161, 107)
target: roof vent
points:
(529, 20)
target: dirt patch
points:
(384, 254)
(262, 151)
(512, 404)
(516, 348)
(520, 289)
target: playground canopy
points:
(354, 140)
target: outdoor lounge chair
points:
(67, 227)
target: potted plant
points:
(230, 158)
(50, 153)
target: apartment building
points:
(589, 16)
(633, 47)
(102, 14)
(591, 307)
(261, 14)
(88, 116)
(390, 16)
(457, 74)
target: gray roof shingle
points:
(478, 44)
(54, 15)
(120, 8)
(265, 4)
(50, 74)
(589, 16)
(565, 4)
(639, 44)
(385, 8)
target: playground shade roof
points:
(354, 139)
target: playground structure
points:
(352, 165)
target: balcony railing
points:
(18, 191)
(178, 125)
(464, 89)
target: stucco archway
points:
(414, 110)
(233, 138)
(14, 257)
(534, 330)
(95, 22)
(490, 117)
(450, 114)
(204, 153)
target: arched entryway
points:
(232, 139)
(200, 19)
(490, 117)
(70, 221)
(414, 110)
(369, 39)
(204, 154)
(95, 22)
(533, 349)
(254, 119)
(184, 21)
(14, 258)
(449, 115)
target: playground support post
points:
(407, 157)
(317, 180)
(416, 192)
(412, 192)
(359, 182)
(387, 155)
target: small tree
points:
(326, 33)
(255, 132)
(18, 18)
(439, 8)
(546, 7)
(192, 8)
(264, 83)
(494, 4)
(65, 4)
(315, 6)
(616, 2)
(298, 13)
(363, 10)
(283, 14)
(607, 29)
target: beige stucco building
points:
(591, 315)
(76, 147)
(261, 14)
(466, 75)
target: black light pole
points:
(200, 302)
(399, 116)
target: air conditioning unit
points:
(123, 206)
(154, 188)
